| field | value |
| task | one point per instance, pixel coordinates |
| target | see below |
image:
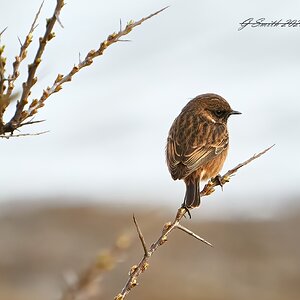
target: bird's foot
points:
(187, 210)
(218, 180)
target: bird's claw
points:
(218, 180)
(187, 210)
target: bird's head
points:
(215, 108)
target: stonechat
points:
(197, 143)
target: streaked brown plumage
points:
(197, 144)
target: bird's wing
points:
(186, 153)
(204, 152)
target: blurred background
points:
(68, 194)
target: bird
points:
(197, 143)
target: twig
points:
(137, 270)
(209, 187)
(255, 156)
(31, 122)
(3, 136)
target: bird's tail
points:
(192, 194)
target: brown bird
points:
(197, 144)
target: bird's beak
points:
(235, 112)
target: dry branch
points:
(61, 79)
(32, 79)
(22, 113)
(19, 58)
(208, 189)
(22, 134)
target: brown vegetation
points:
(250, 260)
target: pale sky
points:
(108, 127)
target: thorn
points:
(21, 45)
(31, 122)
(34, 25)
(140, 236)
(120, 29)
(193, 235)
(58, 20)
(3, 30)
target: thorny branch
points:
(61, 79)
(22, 134)
(18, 60)
(23, 112)
(208, 189)
(32, 68)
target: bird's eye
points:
(219, 113)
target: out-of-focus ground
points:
(41, 247)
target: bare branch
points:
(61, 79)
(22, 134)
(31, 79)
(137, 270)
(31, 122)
(18, 59)
(209, 187)
(255, 156)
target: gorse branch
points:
(32, 68)
(5, 100)
(19, 58)
(61, 79)
(22, 134)
(25, 107)
(208, 189)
